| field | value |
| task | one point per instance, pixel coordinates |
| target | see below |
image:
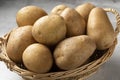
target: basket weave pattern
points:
(80, 73)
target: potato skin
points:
(49, 30)
(58, 9)
(28, 15)
(84, 10)
(74, 21)
(18, 40)
(37, 58)
(73, 52)
(100, 29)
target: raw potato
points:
(37, 58)
(49, 30)
(73, 52)
(18, 40)
(58, 9)
(100, 29)
(84, 10)
(75, 23)
(28, 15)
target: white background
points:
(8, 8)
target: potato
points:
(49, 30)
(37, 58)
(58, 9)
(100, 29)
(18, 40)
(73, 52)
(84, 10)
(28, 15)
(75, 23)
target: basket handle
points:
(117, 15)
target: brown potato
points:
(37, 58)
(28, 15)
(18, 40)
(73, 52)
(100, 29)
(58, 9)
(49, 30)
(75, 23)
(84, 10)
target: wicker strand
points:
(117, 15)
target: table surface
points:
(8, 9)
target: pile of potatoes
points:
(66, 37)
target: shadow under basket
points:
(79, 73)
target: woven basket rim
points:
(94, 65)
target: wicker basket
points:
(80, 73)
